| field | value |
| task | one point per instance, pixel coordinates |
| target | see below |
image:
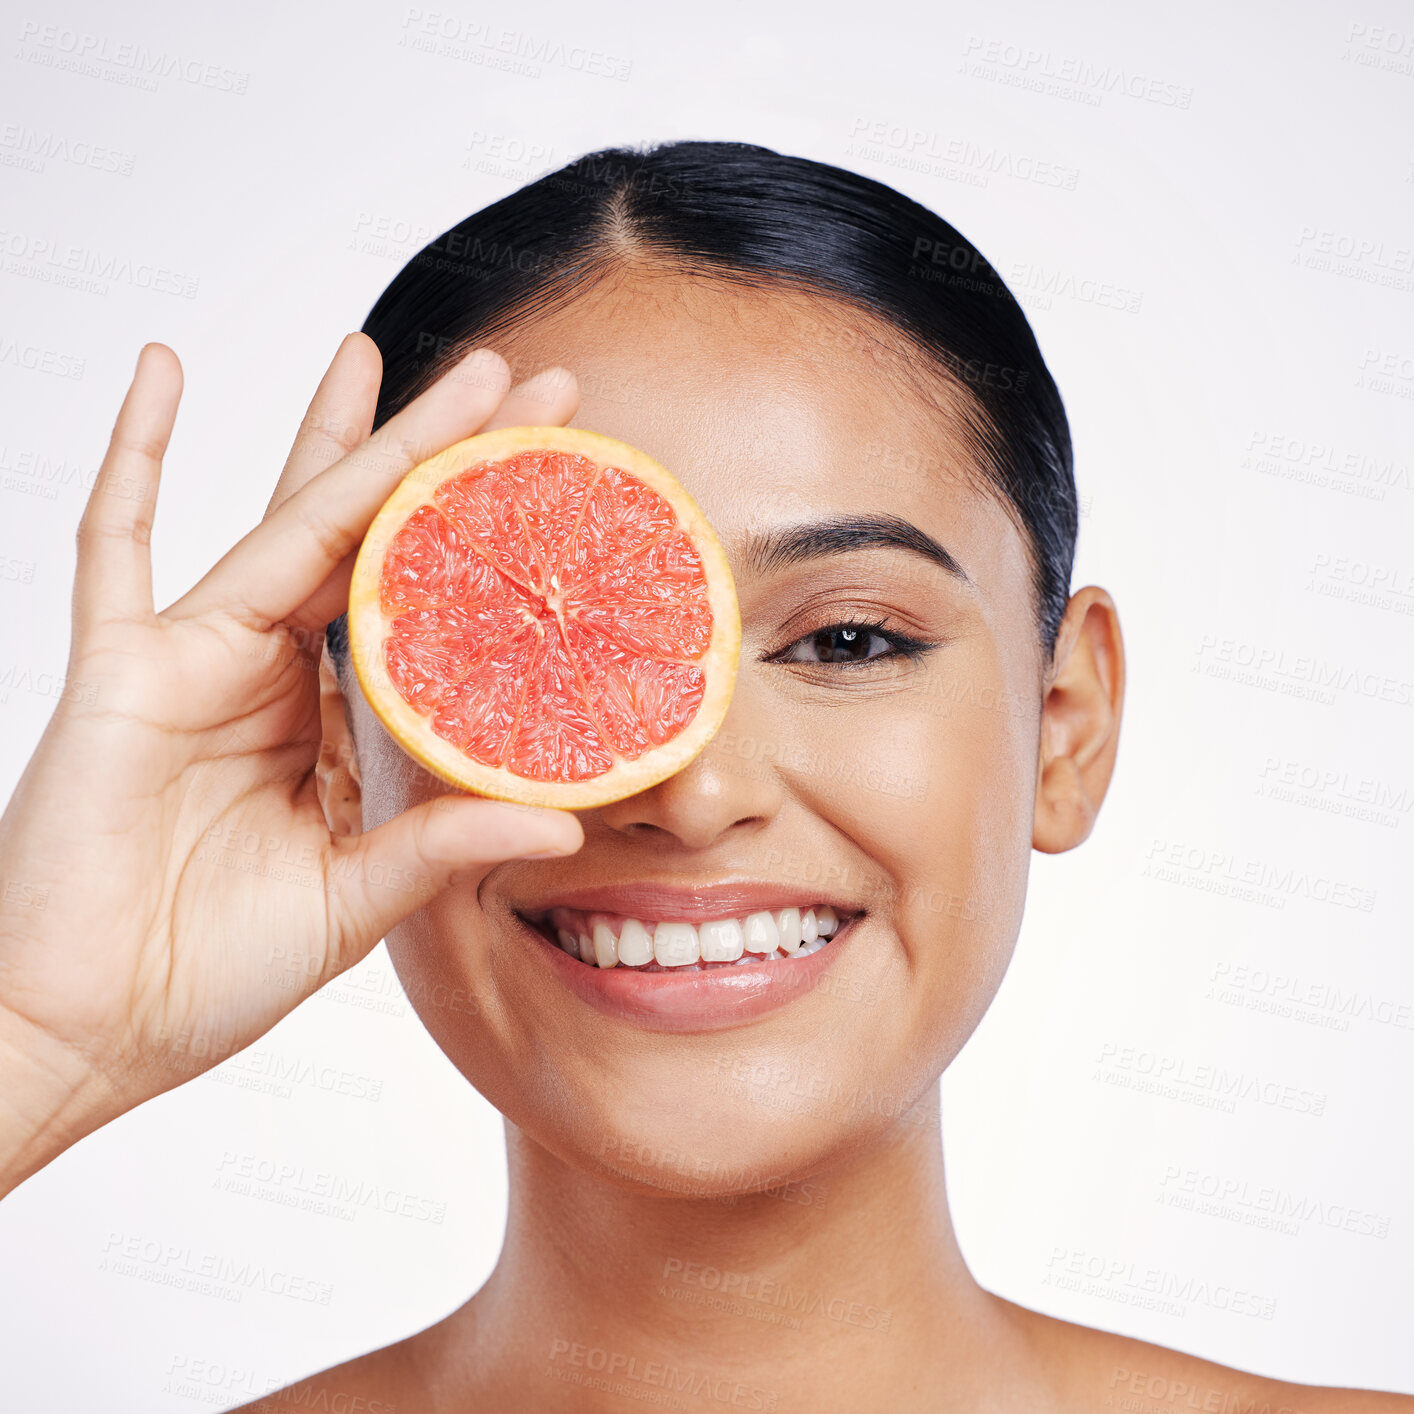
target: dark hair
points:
(745, 214)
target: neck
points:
(822, 1293)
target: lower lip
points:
(692, 1000)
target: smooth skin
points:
(919, 787)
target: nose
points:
(731, 787)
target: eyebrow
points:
(843, 535)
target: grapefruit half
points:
(544, 615)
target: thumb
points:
(375, 880)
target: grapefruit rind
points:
(369, 626)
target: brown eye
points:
(847, 644)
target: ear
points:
(337, 774)
(1079, 722)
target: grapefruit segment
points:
(620, 515)
(543, 614)
(473, 712)
(638, 701)
(428, 650)
(556, 736)
(483, 507)
(431, 565)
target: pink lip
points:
(695, 1001)
(657, 902)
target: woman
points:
(726, 1183)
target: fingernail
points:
(547, 385)
(554, 851)
(558, 375)
(550, 850)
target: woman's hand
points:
(169, 885)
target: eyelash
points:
(901, 645)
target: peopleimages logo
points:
(212, 1273)
(569, 1357)
(97, 56)
(512, 50)
(1298, 675)
(1290, 994)
(1048, 285)
(1166, 859)
(39, 359)
(1092, 1272)
(1335, 791)
(801, 1301)
(1312, 460)
(918, 149)
(1211, 1085)
(1065, 76)
(1268, 1201)
(291, 1184)
(61, 263)
(23, 146)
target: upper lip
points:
(655, 901)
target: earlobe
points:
(1080, 718)
(337, 773)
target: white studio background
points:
(1187, 1116)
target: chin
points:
(722, 1139)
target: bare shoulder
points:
(1115, 1374)
(386, 1381)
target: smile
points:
(604, 940)
(696, 957)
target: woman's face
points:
(899, 789)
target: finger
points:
(284, 560)
(549, 399)
(340, 415)
(386, 874)
(113, 578)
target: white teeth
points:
(635, 944)
(760, 933)
(721, 940)
(611, 940)
(675, 945)
(606, 948)
(788, 923)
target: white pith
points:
(672, 945)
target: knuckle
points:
(331, 540)
(332, 432)
(151, 448)
(321, 442)
(135, 530)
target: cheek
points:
(438, 953)
(968, 859)
(938, 790)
